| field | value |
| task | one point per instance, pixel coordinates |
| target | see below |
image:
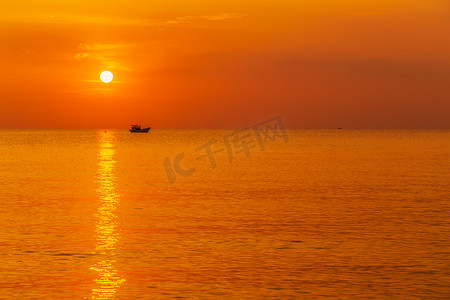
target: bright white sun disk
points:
(106, 76)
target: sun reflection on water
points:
(108, 280)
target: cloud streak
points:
(76, 19)
(105, 20)
(193, 19)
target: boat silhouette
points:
(138, 129)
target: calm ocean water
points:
(88, 214)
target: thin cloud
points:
(76, 19)
(83, 51)
(225, 16)
(192, 19)
(80, 56)
(101, 51)
(110, 56)
(105, 20)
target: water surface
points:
(88, 214)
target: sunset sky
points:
(225, 64)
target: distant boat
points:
(138, 129)
(340, 128)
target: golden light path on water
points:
(108, 280)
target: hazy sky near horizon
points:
(225, 64)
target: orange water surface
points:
(343, 214)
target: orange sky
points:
(225, 64)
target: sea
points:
(256, 213)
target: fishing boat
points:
(138, 129)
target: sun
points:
(106, 76)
